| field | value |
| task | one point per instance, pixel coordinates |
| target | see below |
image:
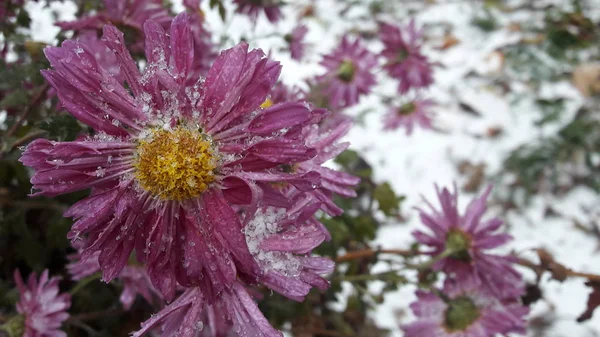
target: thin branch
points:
(34, 102)
(537, 268)
(366, 253)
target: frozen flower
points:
(198, 314)
(349, 73)
(402, 49)
(466, 310)
(130, 15)
(169, 161)
(134, 278)
(41, 306)
(464, 242)
(415, 112)
(280, 241)
(252, 8)
(296, 41)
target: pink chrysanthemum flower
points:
(404, 59)
(466, 310)
(41, 305)
(415, 112)
(134, 278)
(252, 8)
(349, 73)
(169, 160)
(197, 314)
(466, 240)
(296, 41)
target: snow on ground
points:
(413, 164)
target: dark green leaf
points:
(389, 202)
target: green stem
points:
(83, 282)
(427, 264)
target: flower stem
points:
(85, 281)
(427, 264)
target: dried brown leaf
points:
(592, 303)
(586, 78)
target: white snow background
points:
(413, 164)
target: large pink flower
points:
(170, 161)
(42, 306)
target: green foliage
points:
(220, 7)
(389, 202)
(567, 31)
(61, 127)
(551, 109)
(544, 161)
(486, 22)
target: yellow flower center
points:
(267, 104)
(175, 164)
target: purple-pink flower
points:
(43, 308)
(252, 8)
(349, 73)
(416, 112)
(296, 41)
(405, 62)
(168, 162)
(464, 241)
(179, 169)
(465, 310)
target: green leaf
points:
(62, 127)
(389, 202)
(365, 227)
(354, 164)
(23, 18)
(222, 11)
(551, 110)
(15, 99)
